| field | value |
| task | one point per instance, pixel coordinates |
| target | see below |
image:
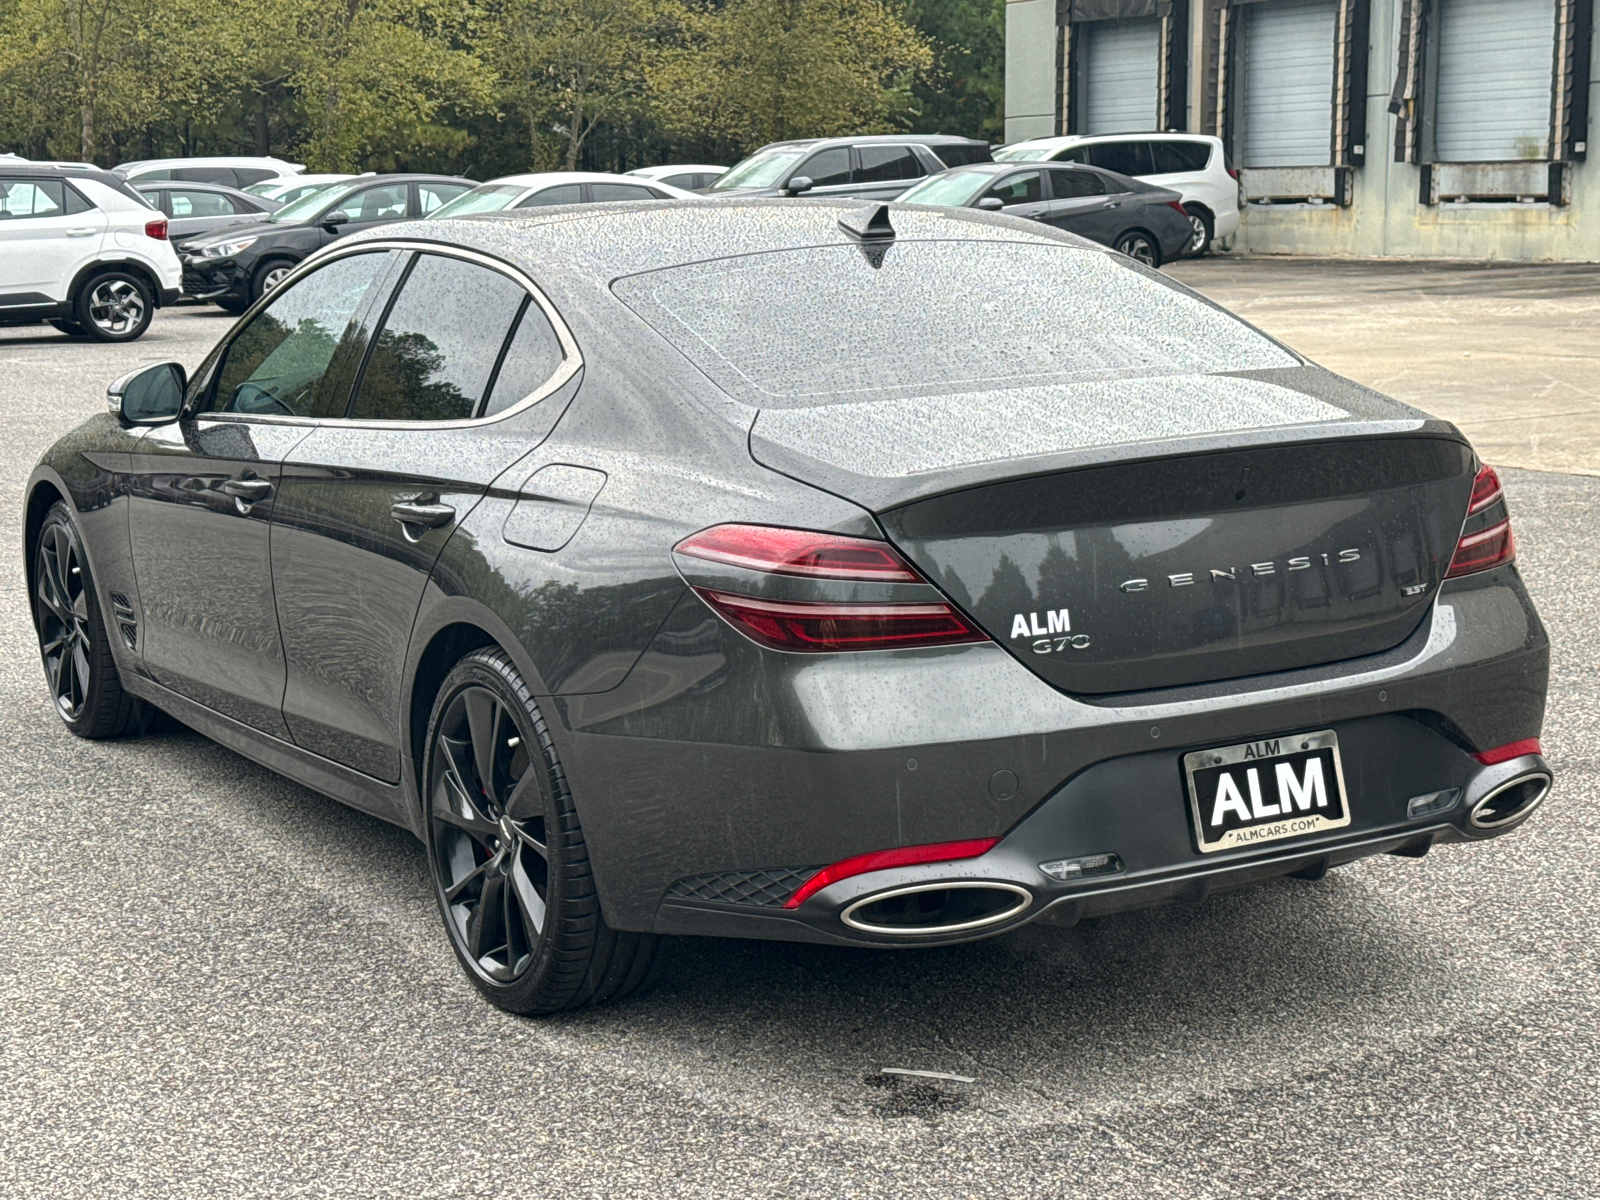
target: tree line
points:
(487, 87)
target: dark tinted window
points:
(158, 173)
(826, 168)
(961, 156)
(439, 342)
(32, 198)
(689, 181)
(1066, 183)
(200, 204)
(250, 175)
(1026, 188)
(1174, 157)
(1125, 158)
(602, 193)
(885, 164)
(532, 358)
(1077, 154)
(283, 362)
(567, 193)
(222, 175)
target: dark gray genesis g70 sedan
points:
(840, 573)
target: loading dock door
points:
(1120, 65)
(1287, 84)
(1494, 80)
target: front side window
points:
(1026, 188)
(1067, 183)
(200, 204)
(567, 193)
(282, 364)
(435, 354)
(374, 204)
(827, 168)
(32, 198)
(885, 164)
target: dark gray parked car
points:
(196, 208)
(865, 575)
(859, 168)
(1146, 223)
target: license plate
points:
(1255, 792)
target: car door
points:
(192, 211)
(47, 231)
(881, 172)
(369, 501)
(203, 491)
(1021, 194)
(1080, 204)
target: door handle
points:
(85, 232)
(251, 491)
(416, 512)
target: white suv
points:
(83, 251)
(1191, 164)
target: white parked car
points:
(286, 189)
(1192, 164)
(82, 250)
(691, 178)
(544, 188)
(233, 170)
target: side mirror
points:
(333, 220)
(799, 184)
(150, 395)
(991, 204)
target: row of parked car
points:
(95, 252)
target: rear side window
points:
(1174, 158)
(961, 156)
(1027, 188)
(283, 363)
(1067, 183)
(200, 204)
(32, 198)
(1073, 154)
(434, 195)
(603, 193)
(439, 343)
(567, 193)
(530, 359)
(1125, 158)
(826, 168)
(250, 175)
(886, 164)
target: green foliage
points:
(486, 87)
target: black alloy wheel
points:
(114, 306)
(1141, 247)
(1204, 231)
(510, 868)
(72, 637)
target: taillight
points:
(1509, 751)
(1177, 207)
(813, 626)
(882, 860)
(1486, 540)
(1233, 174)
(156, 229)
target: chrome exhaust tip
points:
(1511, 802)
(931, 909)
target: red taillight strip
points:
(1509, 751)
(1491, 547)
(1486, 490)
(780, 551)
(156, 229)
(882, 860)
(811, 626)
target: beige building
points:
(1436, 128)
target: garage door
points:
(1287, 83)
(1495, 73)
(1120, 61)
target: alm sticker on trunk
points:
(1241, 796)
(1052, 636)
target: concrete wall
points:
(1030, 69)
(1385, 218)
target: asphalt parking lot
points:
(215, 982)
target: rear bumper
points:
(714, 759)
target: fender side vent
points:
(127, 620)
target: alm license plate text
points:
(1256, 792)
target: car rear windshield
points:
(841, 323)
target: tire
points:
(507, 858)
(114, 306)
(1140, 246)
(73, 640)
(229, 304)
(70, 328)
(1204, 230)
(268, 275)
